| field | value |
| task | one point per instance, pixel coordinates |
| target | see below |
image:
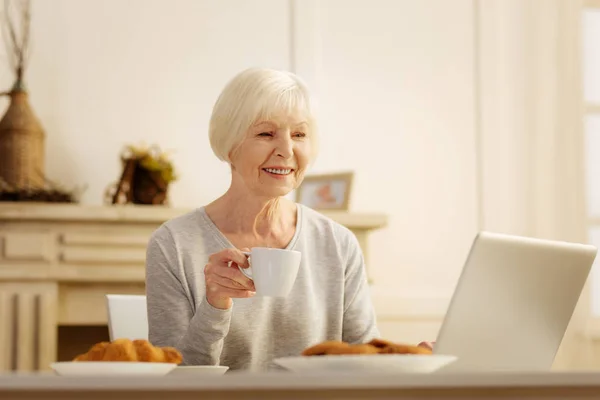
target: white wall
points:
(394, 79)
(106, 73)
(396, 84)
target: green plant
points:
(153, 159)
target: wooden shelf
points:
(14, 211)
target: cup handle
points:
(247, 271)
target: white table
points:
(318, 386)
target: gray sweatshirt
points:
(330, 299)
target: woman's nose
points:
(285, 147)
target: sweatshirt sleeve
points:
(360, 325)
(173, 318)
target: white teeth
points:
(278, 171)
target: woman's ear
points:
(231, 159)
(232, 155)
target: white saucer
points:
(111, 368)
(376, 363)
(199, 370)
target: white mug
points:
(272, 270)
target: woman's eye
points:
(265, 134)
(300, 134)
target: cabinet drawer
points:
(105, 248)
(26, 246)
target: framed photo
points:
(326, 192)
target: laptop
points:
(513, 303)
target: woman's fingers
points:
(225, 256)
(231, 273)
(229, 283)
(427, 345)
(224, 280)
(228, 292)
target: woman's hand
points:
(427, 345)
(224, 281)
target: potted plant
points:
(147, 174)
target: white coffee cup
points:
(272, 270)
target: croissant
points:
(126, 350)
(375, 346)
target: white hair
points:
(257, 94)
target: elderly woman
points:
(263, 126)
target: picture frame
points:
(326, 191)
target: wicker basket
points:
(22, 142)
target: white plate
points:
(199, 370)
(104, 368)
(378, 363)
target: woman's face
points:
(272, 158)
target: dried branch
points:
(17, 50)
(6, 37)
(12, 62)
(26, 34)
(11, 29)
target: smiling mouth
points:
(277, 171)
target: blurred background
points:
(454, 116)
